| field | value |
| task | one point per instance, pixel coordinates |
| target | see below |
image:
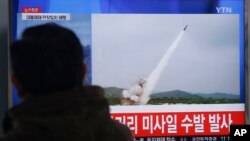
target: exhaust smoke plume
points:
(139, 94)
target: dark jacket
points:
(76, 115)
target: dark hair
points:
(48, 58)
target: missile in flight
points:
(185, 27)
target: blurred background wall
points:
(3, 59)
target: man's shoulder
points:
(121, 127)
(123, 131)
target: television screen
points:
(171, 69)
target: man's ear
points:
(20, 90)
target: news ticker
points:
(237, 133)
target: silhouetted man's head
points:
(48, 58)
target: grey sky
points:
(127, 47)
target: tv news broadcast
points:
(171, 69)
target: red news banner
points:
(31, 10)
(179, 120)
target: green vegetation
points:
(180, 100)
(114, 96)
(114, 101)
(201, 100)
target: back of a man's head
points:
(48, 58)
